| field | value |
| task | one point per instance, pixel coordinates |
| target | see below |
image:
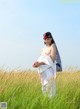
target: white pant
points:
(48, 82)
(50, 89)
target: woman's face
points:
(48, 41)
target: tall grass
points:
(22, 90)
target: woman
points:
(46, 65)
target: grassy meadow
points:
(22, 90)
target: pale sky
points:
(23, 23)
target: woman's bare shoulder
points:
(53, 46)
(43, 48)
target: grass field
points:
(22, 90)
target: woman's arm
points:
(37, 64)
(41, 63)
(53, 52)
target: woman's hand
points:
(36, 64)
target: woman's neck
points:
(48, 45)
